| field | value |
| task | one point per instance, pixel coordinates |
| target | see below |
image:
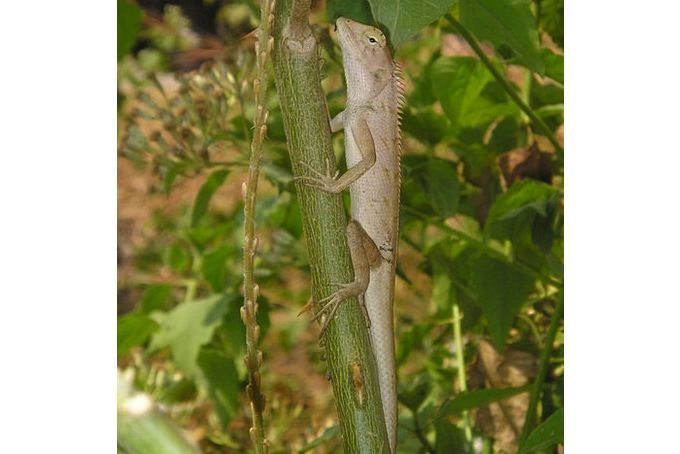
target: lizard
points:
(371, 122)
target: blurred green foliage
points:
(481, 223)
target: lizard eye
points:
(372, 40)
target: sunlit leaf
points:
(457, 82)
(187, 327)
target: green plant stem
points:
(305, 117)
(542, 369)
(460, 361)
(474, 44)
(253, 358)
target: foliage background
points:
(481, 227)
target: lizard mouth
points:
(344, 32)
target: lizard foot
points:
(322, 181)
(332, 302)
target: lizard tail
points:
(379, 298)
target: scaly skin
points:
(372, 143)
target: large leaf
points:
(513, 212)
(467, 92)
(548, 433)
(187, 327)
(129, 23)
(457, 82)
(405, 18)
(442, 186)
(211, 184)
(501, 290)
(358, 10)
(222, 380)
(134, 329)
(508, 22)
(472, 399)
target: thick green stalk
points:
(537, 387)
(253, 358)
(305, 114)
(474, 44)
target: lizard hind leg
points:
(365, 255)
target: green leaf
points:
(134, 329)
(548, 433)
(472, 399)
(413, 395)
(222, 382)
(154, 297)
(501, 290)
(358, 10)
(328, 434)
(129, 24)
(211, 184)
(508, 22)
(405, 18)
(425, 124)
(554, 65)
(233, 330)
(214, 266)
(513, 211)
(442, 186)
(552, 20)
(463, 86)
(457, 82)
(449, 438)
(186, 328)
(177, 257)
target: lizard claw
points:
(322, 181)
(307, 307)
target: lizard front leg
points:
(365, 255)
(360, 132)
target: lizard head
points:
(366, 56)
